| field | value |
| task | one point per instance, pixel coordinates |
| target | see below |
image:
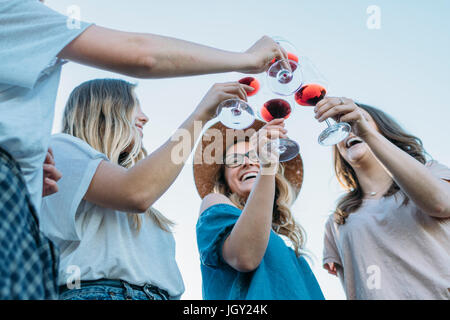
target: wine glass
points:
(288, 47)
(309, 95)
(252, 82)
(276, 109)
(235, 114)
(284, 77)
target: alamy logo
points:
(73, 281)
(73, 17)
(374, 19)
(374, 279)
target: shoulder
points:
(330, 225)
(434, 164)
(69, 146)
(214, 199)
(438, 169)
(217, 212)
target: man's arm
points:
(153, 56)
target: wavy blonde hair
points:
(100, 112)
(283, 222)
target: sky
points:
(401, 67)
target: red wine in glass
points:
(277, 109)
(310, 95)
(252, 82)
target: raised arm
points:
(137, 188)
(246, 245)
(152, 56)
(428, 192)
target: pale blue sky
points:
(401, 68)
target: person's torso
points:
(281, 275)
(112, 248)
(26, 118)
(390, 251)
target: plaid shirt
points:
(28, 260)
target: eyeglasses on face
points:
(234, 160)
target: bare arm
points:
(137, 188)
(152, 56)
(246, 245)
(429, 193)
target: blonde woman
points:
(390, 233)
(35, 42)
(245, 217)
(108, 182)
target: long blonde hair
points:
(391, 130)
(100, 112)
(283, 222)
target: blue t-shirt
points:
(31, 36)
(281, 275)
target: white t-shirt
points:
(390, 251)
(102, 242)
(31, 36)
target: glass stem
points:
(236, 111)
(328, 123)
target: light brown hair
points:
(391, 130)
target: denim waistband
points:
(122, 285)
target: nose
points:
(248, 163)
(143, 118)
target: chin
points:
(245, 189)
(356, 153)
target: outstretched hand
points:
(220, 92)
(262, 53)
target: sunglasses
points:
(238, 159)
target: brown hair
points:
(283, 222)
(346, 176)
(100, 112)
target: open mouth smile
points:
(352, 142)
(248, 175)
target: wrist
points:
(203, 115)
(368, 134)
(245, 63)
(269, 169)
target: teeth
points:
(248, 175)
(350, 141)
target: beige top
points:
(390, 251)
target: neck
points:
(372, 176)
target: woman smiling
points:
(244, 215)
(390, 233)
